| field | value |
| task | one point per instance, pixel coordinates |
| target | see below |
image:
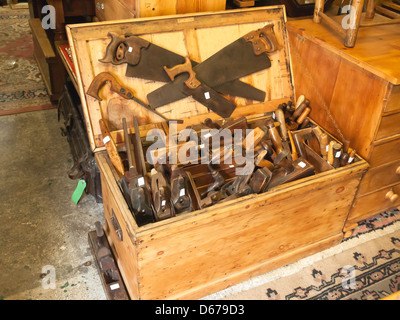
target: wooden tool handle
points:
(275, 138)
(391, 196)
(106, 77)
(293, 146)
(191, 82)
(303, 116)
(253, 139)
(111, 149)
(280, 117)
(263, 40)
(330, 152)
(267, 34)
(299, 110)
(323, 141)
(299, 101)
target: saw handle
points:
(191, 82)
(124, 49)
(263, 40)
(103, 78)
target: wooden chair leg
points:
(370, 9)
(319, 7)
(351, 33)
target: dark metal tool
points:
(161, 192)
(246, 55)
(240, 185)
(106, 264)
(106, 77)
(138, 191)
(213, 197)
(276, 139)
(201, 92)
(146, 60)
(260, 180)
(180, 190)
(302, 169)
(219, 180)
(280, 117)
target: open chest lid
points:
(197, 36)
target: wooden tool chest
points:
(197, 253)
(361, 88)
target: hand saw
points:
(200, 91)
(146, 60)
(245, 56)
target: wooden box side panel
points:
(117, 229)
(192, 255)
(198, 36)
(352, 94)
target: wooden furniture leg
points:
(370, 9)
(349, 35)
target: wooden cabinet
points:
(361, 88)
(48, 61)
(129, 9)
(45, 41)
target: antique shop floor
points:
(43, 233)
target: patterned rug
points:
(365, 266)
(21, 84)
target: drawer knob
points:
(391, 196)
(398, 170)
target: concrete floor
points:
(42, 232)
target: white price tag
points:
(114, 286)
(301, 164)
(141, 181)
(327, 147)
(163, 203)
(207, 95)
(351, 159)
(182, 193)
(338, 154)
(130, 49)
(206, 136)
(106, 139)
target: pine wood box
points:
(195, 254)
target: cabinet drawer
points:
(385, 153)
(374, 203)
(113, 10)
(393, 100)
(377, 178)
(390, 125)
